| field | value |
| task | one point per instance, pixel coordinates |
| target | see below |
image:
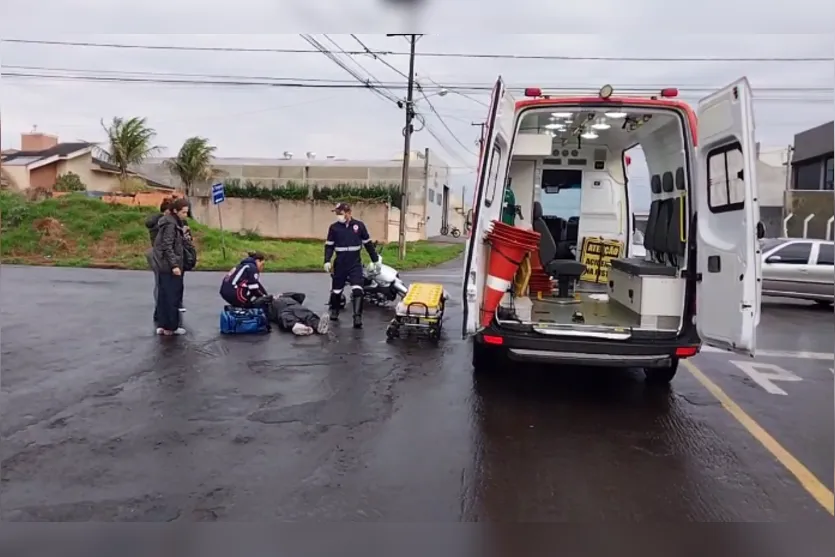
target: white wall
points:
(525, 184)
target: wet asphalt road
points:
(102, 420)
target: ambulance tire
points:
(661, 376)
(488, 359)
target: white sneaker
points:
(324, 325)
(160, 331)
(182, 310)
(302, 330)
(179, 331)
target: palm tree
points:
(193, 163)
(130, 142)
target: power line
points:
(392, 97)
(454, 87)
(443, 122)
(317, 83)
(385, 94)
(377, 57)
(471, 55)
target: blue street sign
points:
(218, 195)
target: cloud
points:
(264, 121)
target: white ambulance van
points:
(699, 280)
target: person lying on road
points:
(289, 313)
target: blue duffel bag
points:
(243, 321)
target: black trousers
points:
(168, 301)
(156, 295)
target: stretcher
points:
(421, 311)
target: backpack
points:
(243, 321)
(189, 257)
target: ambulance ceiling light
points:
(589, 135)
(562, 114)
(601, 125)
(616, 115)
(555, 126)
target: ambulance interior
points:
(569, 178)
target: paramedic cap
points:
(342, 207)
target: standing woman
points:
(169, 248)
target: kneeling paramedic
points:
(241, 287)
(346, 238)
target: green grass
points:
(77, 231)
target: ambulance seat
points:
(655, 236)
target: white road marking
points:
(418, 274)
(764, 375)
(779, 354)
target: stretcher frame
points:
(416, 318)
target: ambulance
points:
(698, 279)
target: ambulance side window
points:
(725, 179)
(493, 176)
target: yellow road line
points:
(822, 494)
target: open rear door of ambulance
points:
(729, 292)
(487, 202)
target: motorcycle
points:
(455, 232)
(380, 286)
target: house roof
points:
(110, 167)
(45, 156)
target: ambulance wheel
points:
(487, 359)
(661, 375)
(435, 334)
(392, 331)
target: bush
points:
(293, 191)
(69, 182)
(133, 185)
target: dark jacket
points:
(288, 310)
(169, 244)
(347, 239)
(151, 224)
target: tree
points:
(193, 164)
(69, 182)
(130, 142)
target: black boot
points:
(356, 302)
(334, 304)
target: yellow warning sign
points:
(597, 255)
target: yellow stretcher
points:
(421, 311)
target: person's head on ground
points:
(179, 208)
(259, 258)
(165, 206)
(343, 212)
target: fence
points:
(809, 214)
(287, 219)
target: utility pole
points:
(481, 133)
(407, 143)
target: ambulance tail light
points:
(686, 351)
(493, 340)
(533, 92)
(669, 93)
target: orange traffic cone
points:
(505, 258)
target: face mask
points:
(340, 218)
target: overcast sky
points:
(265, 122)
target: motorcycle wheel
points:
(456, 233)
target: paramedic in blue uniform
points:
(241, 287)
(346, 238)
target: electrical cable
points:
(362, 84)
(470, 55)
